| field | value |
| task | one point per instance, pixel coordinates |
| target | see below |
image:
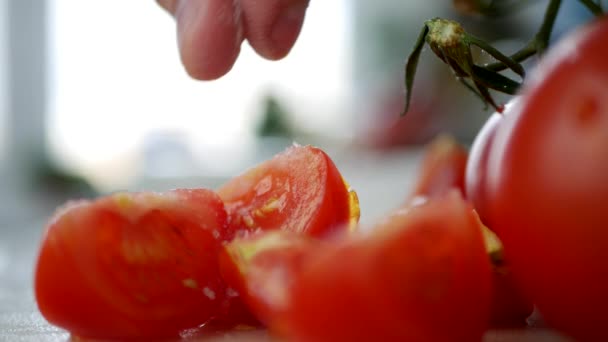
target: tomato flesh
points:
(252, 264)
(133, 265)
(411, 274)
(300, 190)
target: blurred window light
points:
(116, 80)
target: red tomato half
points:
(133, 265)
(300, 190)
(547, 184)
(420, 275)
(252, 264)
(442, 171)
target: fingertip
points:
(286, 29)
(203, 65)
(168, 5)
(209, 37)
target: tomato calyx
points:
(452, 44)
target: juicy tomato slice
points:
(548, 184)
(253, 264)
(300, 190)
(442, 169)
(133, 265)
(420, 275)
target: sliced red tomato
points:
(133, 265)
(252, 265)
(420, 275)
(547, 184)
(442, 168)
(300, 190)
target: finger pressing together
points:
(210, 32)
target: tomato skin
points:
(442, 169)
(300, 190)
(510, 306)
(476, 173)
(547, 184)
(133, 265)
(414, 272)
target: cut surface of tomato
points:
(254, 264)
(133, 265)
(300, 190)
(409, 275)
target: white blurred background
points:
(116, 87)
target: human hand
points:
(210, 32)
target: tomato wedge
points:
(420, 275)
(251, 265)
(300, 190)
(133, 265)
(443, 170)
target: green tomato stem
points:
(539, 43)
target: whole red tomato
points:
(546, 184)
(476, 174)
